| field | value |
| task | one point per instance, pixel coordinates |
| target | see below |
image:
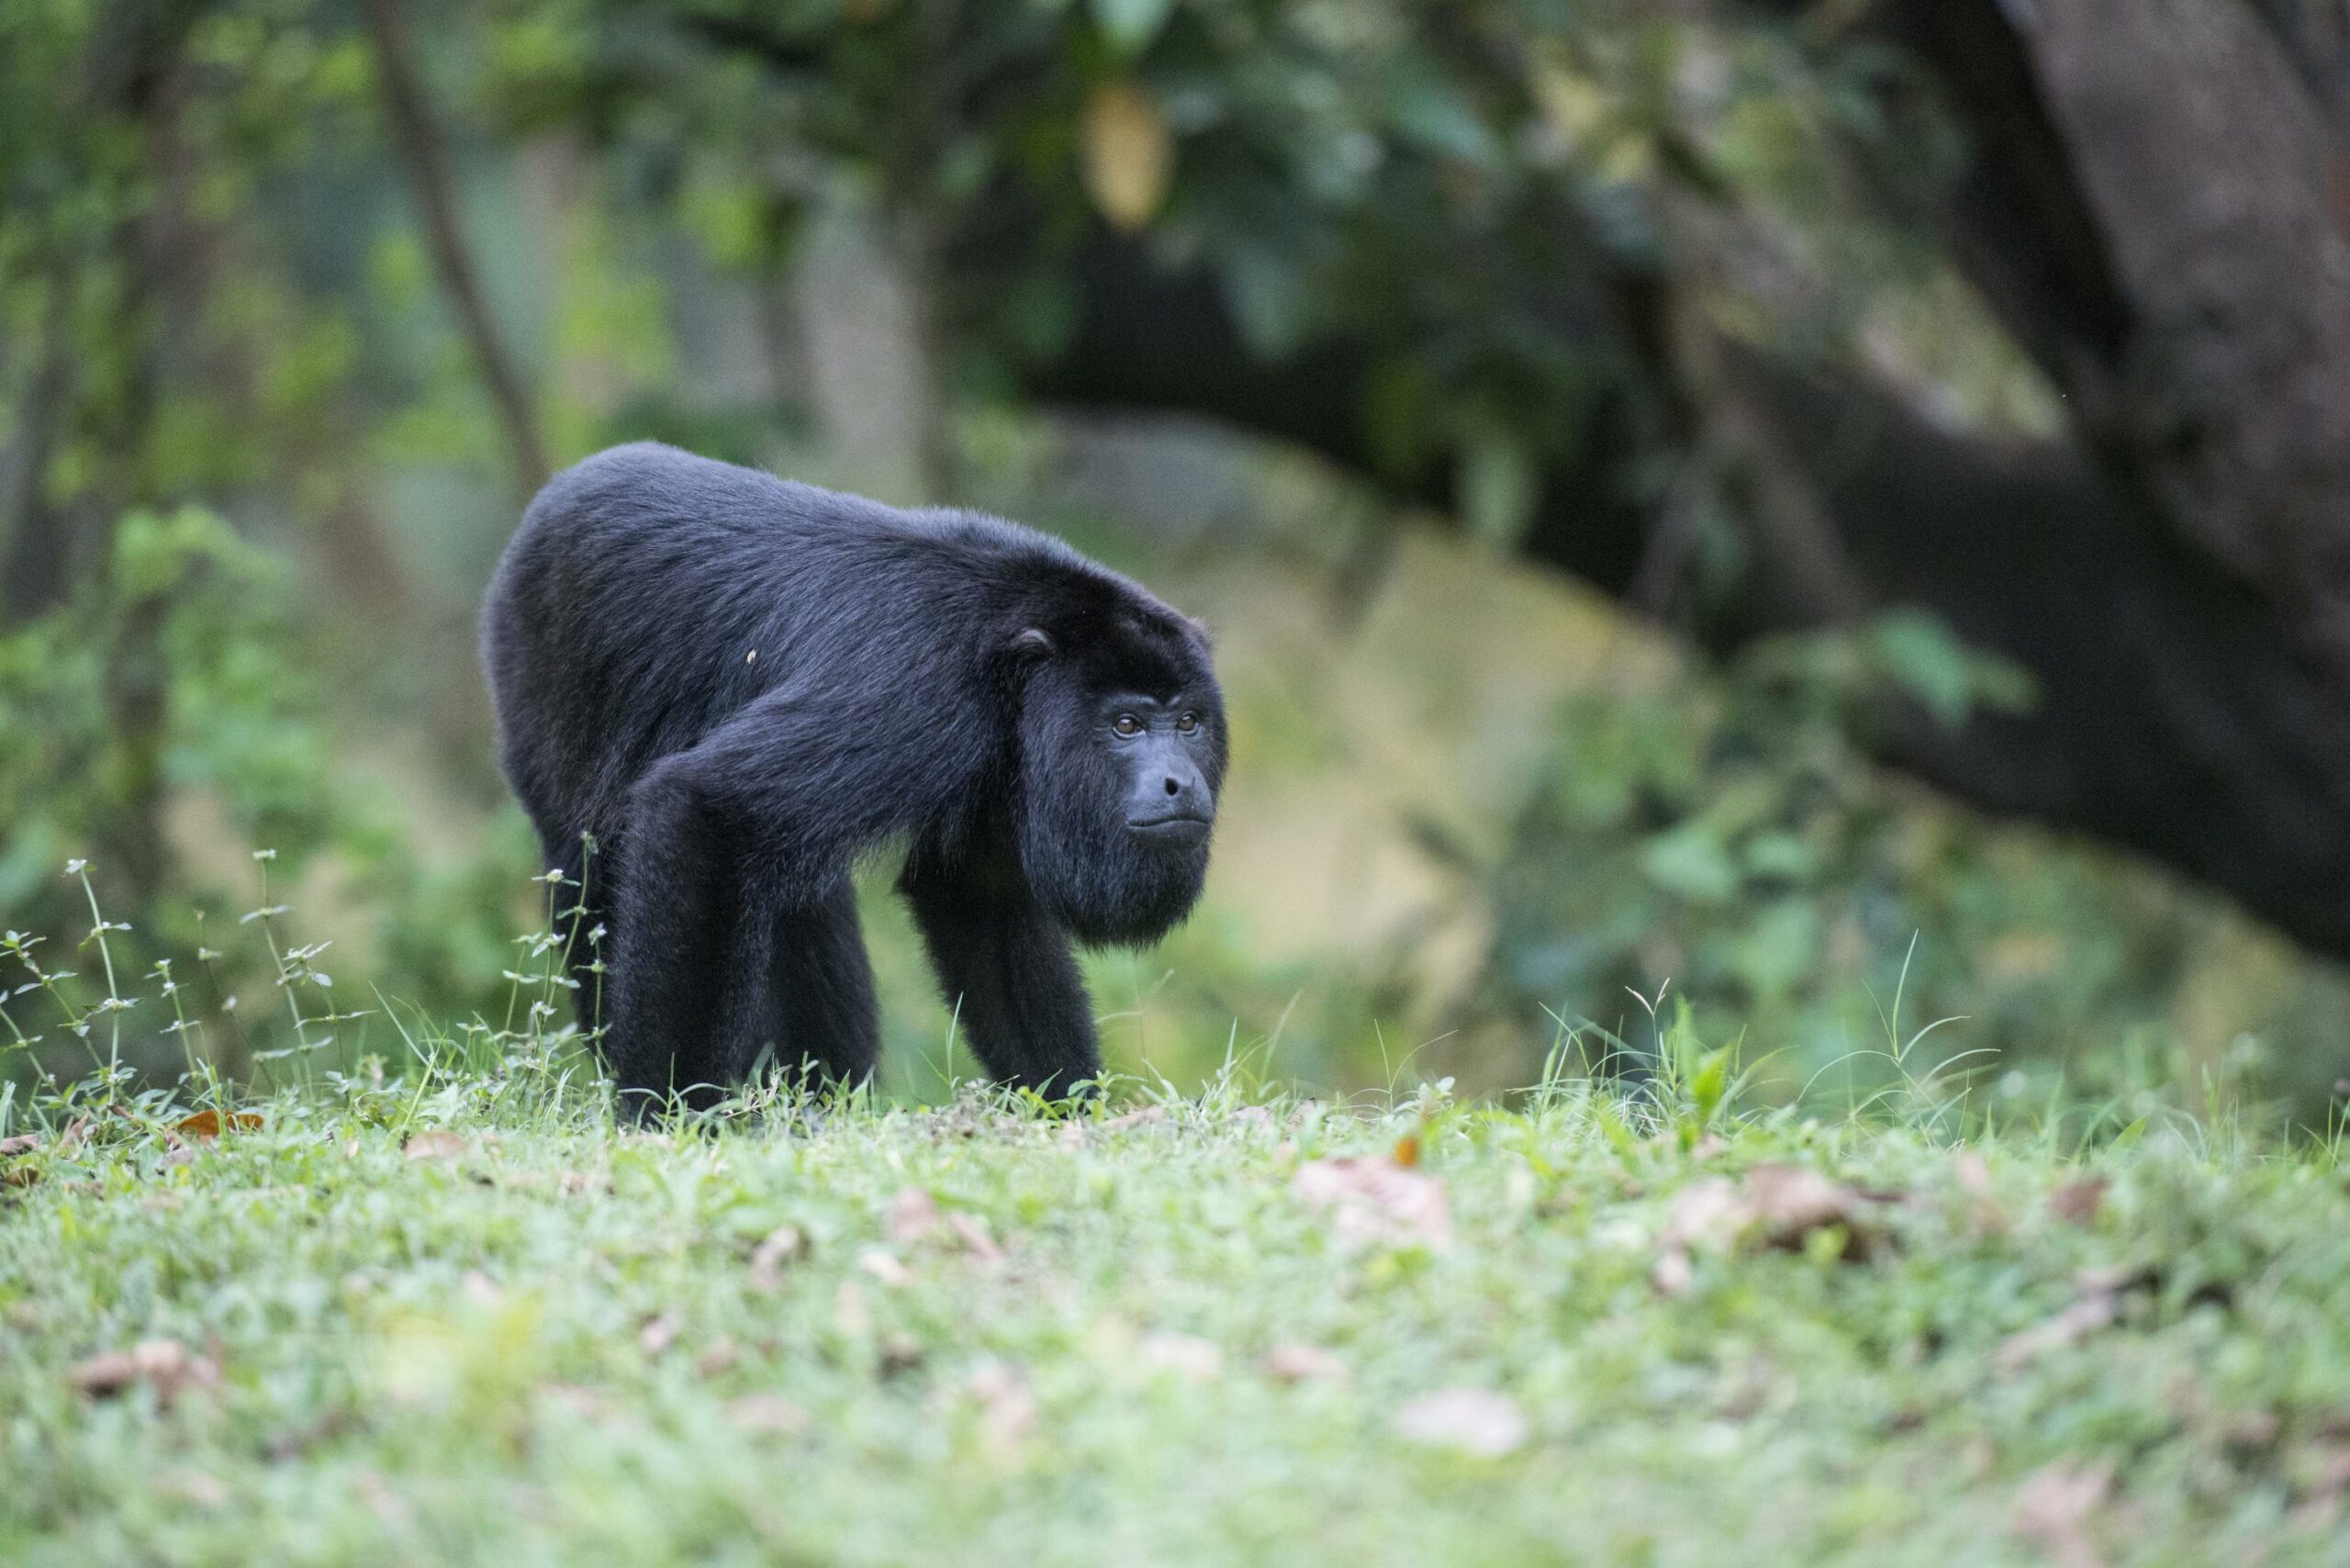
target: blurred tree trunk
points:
(416, 139)
(36, 569)
(864, 312)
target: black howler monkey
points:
(737, 685)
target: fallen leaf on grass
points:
(435, 1145)
(915, 1218)
(22, 1143)
(1474, 1421)
(211, 1123)
(1138, 1118)
(2054, 1506)
(1792, 1202)
(900, 1354)
(778, 1248)
(1302, 1364)
(1007, 1409)
(2076, 1323)
(1782, 1206)
(884, 1267)
(770, 1414)
(972, 1232)
(913, 1214)
(1374, 1201)
(2099, 1307)
(1186, 1355)
(2076, 1203)
(196, 1488)
(165, 1365)
(660, 1331)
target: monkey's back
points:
(649, 594)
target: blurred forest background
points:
(1834, 512)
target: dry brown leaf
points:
(210, 1124)
(2086, 1316)
(1474, 1421)
(1707, 1215)
(884, 1267)
(1376, 1200)
(1778, 1205)
(22, 1143)
(972, 1231)
(913, 1214)
(196, 1488)
(587, 1404)
(1186, 1355)
(435, 1144)
(2055, 1507)
(2076, 1203)
(659, 1332)
(768, 1413)
(1791, 1202)
(1294, 1362)
(1007, 1409)
(165, 1365)
(900, 1353)
(778, 1248)
(1138, 1118)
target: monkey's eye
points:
(1127, 725)
(1187, 724)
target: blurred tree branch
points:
(418, 142)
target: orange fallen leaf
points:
(1406, 1152)
(210, 1124)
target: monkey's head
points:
(1121, 752)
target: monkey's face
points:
(1117, 798)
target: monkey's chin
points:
(1133, 898)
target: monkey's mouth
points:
(1183, 829)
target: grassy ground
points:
(456, 1329)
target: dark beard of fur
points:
(1103, 885)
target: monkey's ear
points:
(1032, 644)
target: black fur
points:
(738, 684)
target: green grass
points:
(560, 1343)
